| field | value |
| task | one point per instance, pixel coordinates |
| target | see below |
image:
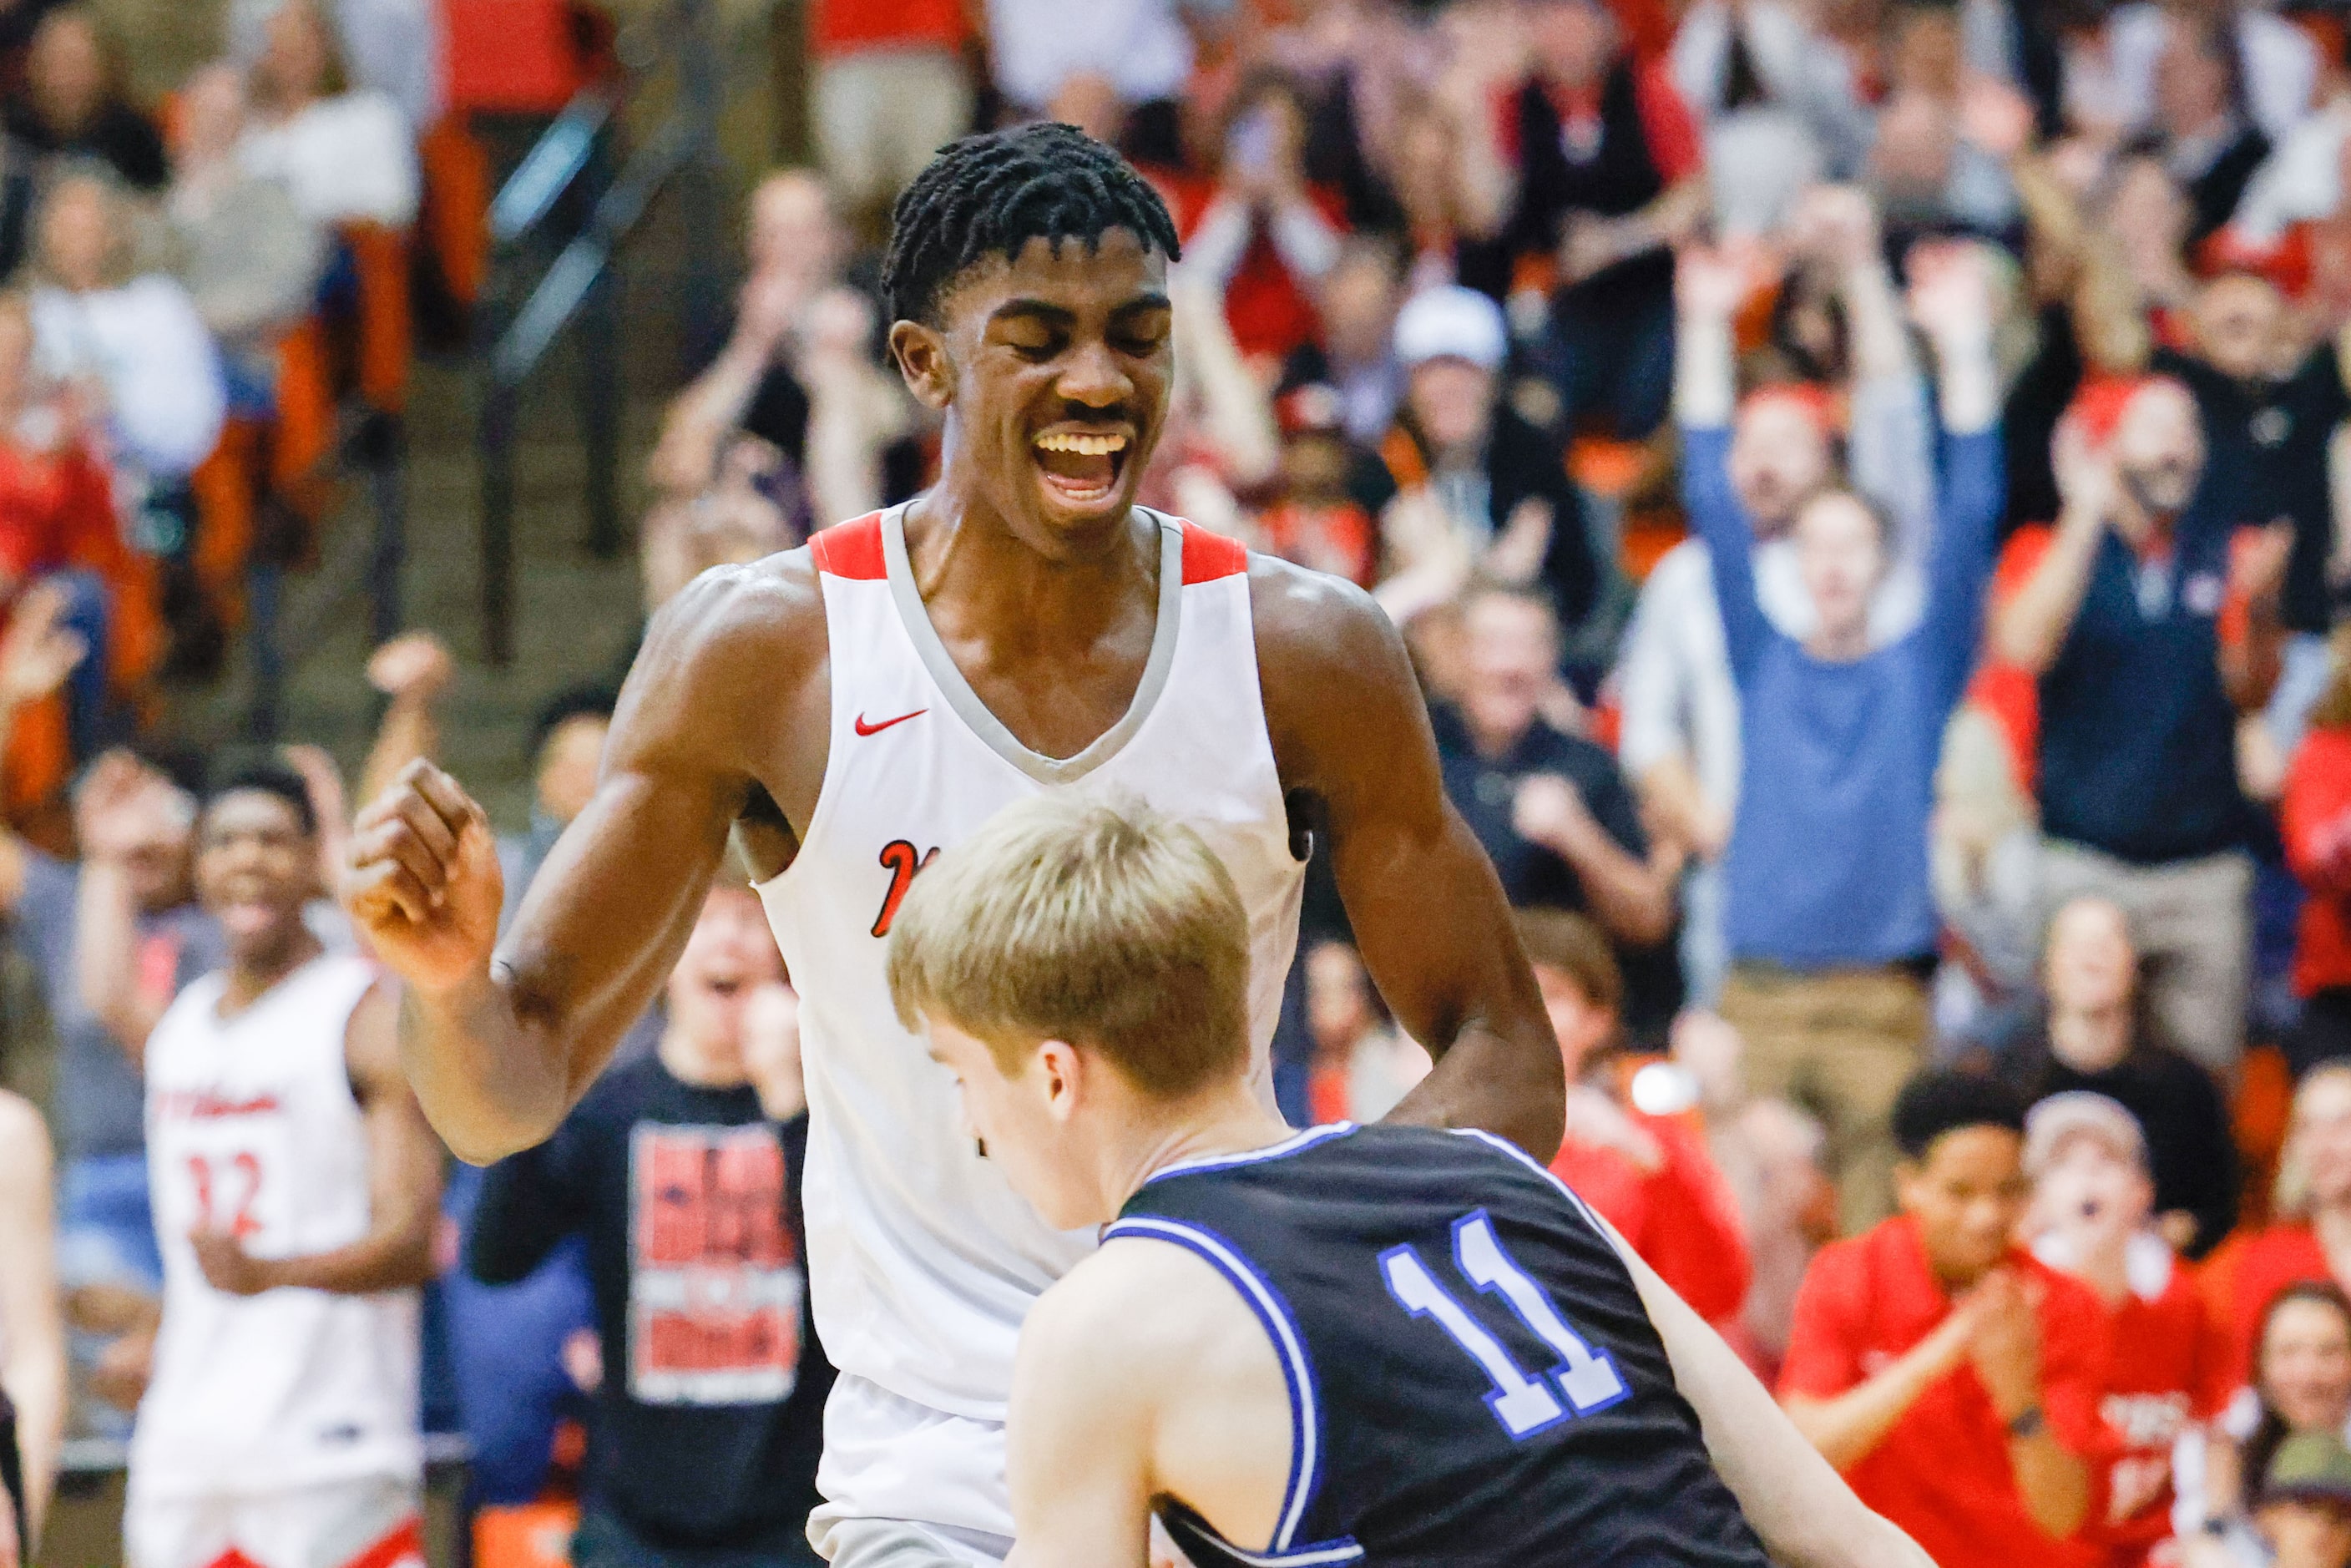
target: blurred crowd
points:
(1866, 485)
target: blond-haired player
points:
(1376, 1343)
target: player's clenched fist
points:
(424, 885)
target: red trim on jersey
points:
(851, 549)
(404, 1544)
(1208, 556)
(232, 1558)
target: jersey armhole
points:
(1288, 1349)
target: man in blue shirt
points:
(1830, 923)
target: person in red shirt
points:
(2311, 1229)
(1951, 1377)
(1268, 237)
(1648, 1175)
(2093, 1207)
(2314, 819)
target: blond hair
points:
(1104, 925)
(2290, 1197)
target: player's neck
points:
(979, 574)
(252, 973)
(1231, 1121)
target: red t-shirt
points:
(56, 509)
(1680, 1218)
(2240, 1280)
(1942, 1471)
(2169, 1370)
(850, 27)
(2314, 819)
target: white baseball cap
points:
(1451, 323)
(2060, 1119)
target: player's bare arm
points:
(498, 1051)
(1350, 728)
(1807, 1516)
(404, 1183)
(1141, 1375)
(32, 1323)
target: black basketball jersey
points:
(1472, 1376)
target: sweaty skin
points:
(1044, 592)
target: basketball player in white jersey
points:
(295, 1184)
(846, 710)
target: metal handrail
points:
(580, 287)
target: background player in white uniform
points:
(296, 1183)
(1374, 1344)
(849, 709)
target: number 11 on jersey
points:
(1524, 1404)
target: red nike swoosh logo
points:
(865, 728)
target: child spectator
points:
(1648, 1175)
(2092, 1204)
(2304, 1509)
(2094, 1040)
(1951, 1377)
(1830, 919)
(683, 1172)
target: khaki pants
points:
(1841, 1044)
(880, 115)
(2193, 923)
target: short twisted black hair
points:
(1940, 1101)
(991, 195)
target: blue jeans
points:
(1616, 361)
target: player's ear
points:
(922, 355)
(1061, 1070)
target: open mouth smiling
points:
(1082, 468)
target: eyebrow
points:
(1045, 309)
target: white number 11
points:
(1524, 1404)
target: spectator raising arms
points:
(1830, 916)
(2117, 611)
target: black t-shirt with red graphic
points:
(711, 1414)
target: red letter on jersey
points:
(898, 858)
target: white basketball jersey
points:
(923, 1261)
(252, 1127)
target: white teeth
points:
(1084, 446)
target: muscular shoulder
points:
(731, 669)
(1336, 680)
